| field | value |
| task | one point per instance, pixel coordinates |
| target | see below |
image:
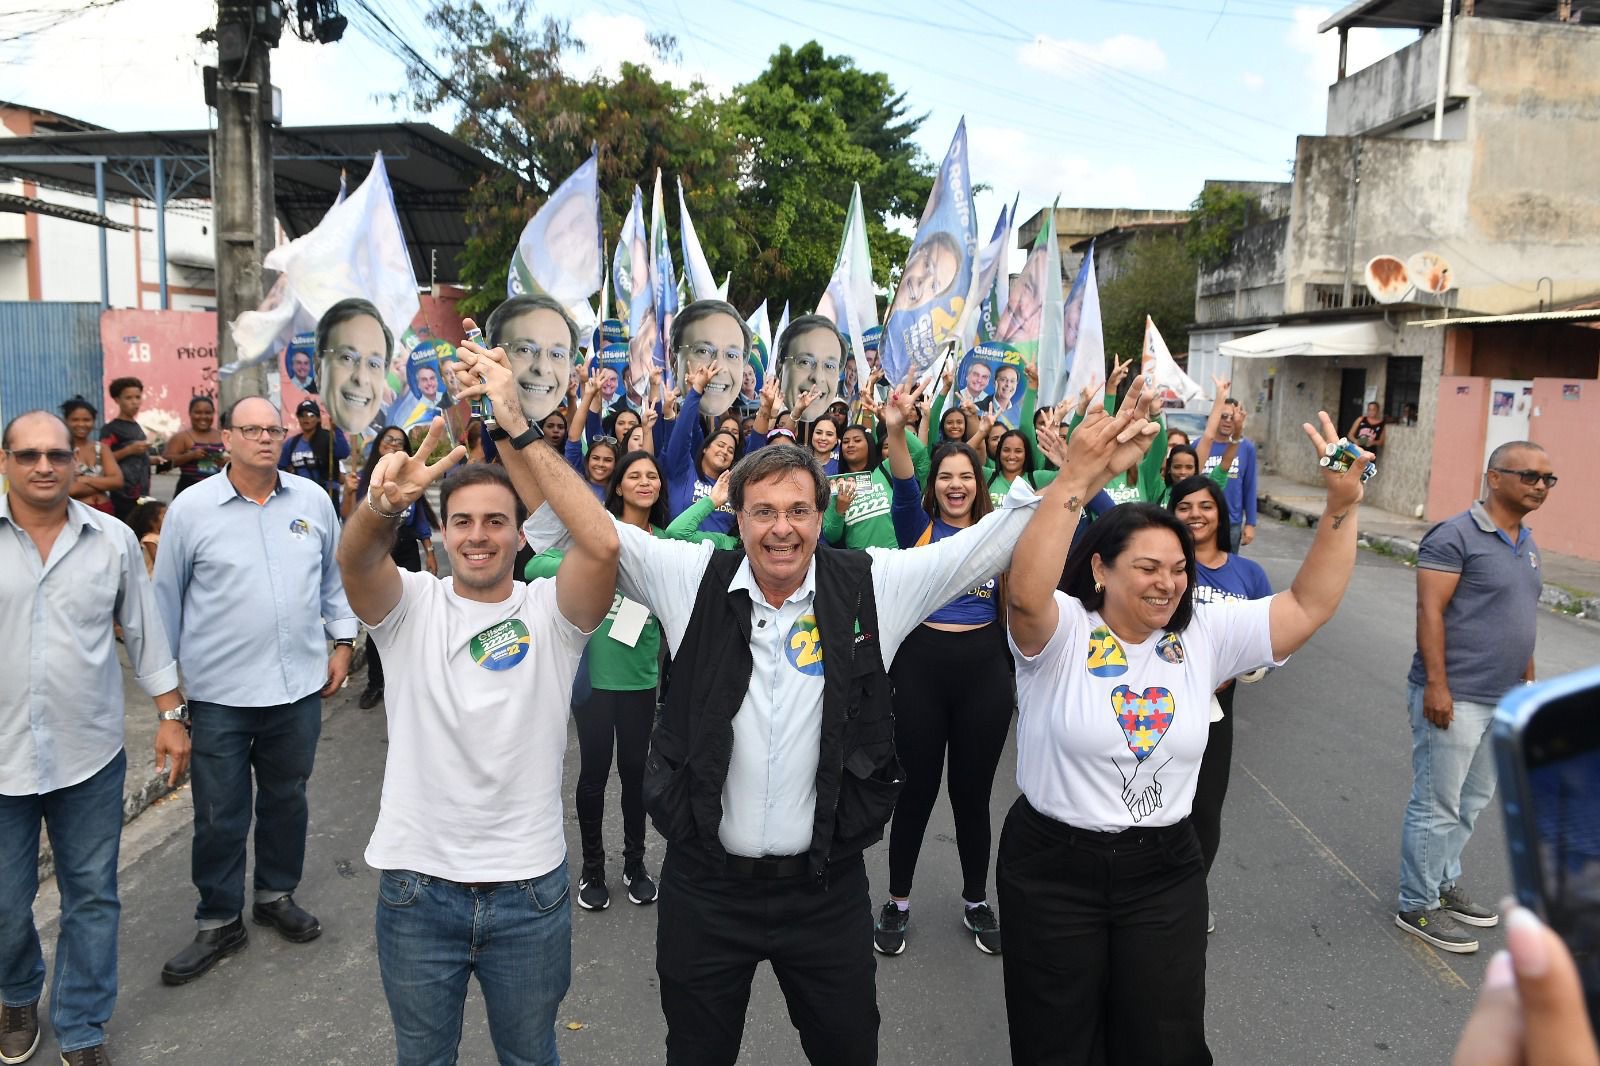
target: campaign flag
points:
(1031, 316)
(702, 283)
(630, 284)
(1083, 339)
(851, 300)
(783, 323)
(982, 312)
(1174, 388)
(761, 334)
(663, 281)
(934, 285)
(561, 252)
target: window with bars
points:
(1403, 386)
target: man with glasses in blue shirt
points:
(1478, 585)
(68, 573)
(250, 592)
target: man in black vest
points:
(773, 765)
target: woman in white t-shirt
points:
(1098, 860)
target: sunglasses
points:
(27, 457)
(1528, 477)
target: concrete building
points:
(1078, 224)
(55, 256)
(1502, 187)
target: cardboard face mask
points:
(812, 362)
(354, 367)
(715, 341)
(539, 346)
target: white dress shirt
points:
(61, 706)
(769, 798)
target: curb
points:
(135, 803)
(1554, 597)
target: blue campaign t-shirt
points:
(1237, 578)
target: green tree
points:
(1159, 281)
(1217, 217)
(815, 124)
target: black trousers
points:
(407, 554)
(713, 929)
(951, 690)
(1112, 971)
(1211, 787)
(627, 717)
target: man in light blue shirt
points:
(67, 574)
(250, 593)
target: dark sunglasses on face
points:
(1529, 477)
(28, 457)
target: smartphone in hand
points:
(1547, 750)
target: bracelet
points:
(527, 437)
(385, 515)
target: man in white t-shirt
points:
(469, 839)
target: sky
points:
(1103, 103)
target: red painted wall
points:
(174, 353)
(1566, 412)
(1458, 436)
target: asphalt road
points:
(1306, 966)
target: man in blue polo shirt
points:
(1478, 585)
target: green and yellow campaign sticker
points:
(501, 646)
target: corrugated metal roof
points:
(27, 205)
(1576, 315)
(1426, 14)
(49, 352)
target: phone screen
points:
(1562, 752)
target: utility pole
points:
(242, 182)
(244, 214)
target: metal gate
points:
(49, 352)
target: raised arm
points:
(687, 525)
(588, 574)
(371, 580)
(1324, 575)
(896, 416)
(1101, 447)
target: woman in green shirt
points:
(1013, 460)
(623, 663)
(859, 516)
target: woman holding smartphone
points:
(1099, 860)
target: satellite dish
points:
(1388, 280)
(1430, 273)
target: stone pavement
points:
(1571, 584)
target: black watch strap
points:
(527, 437)
(496, 433)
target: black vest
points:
(858, 775)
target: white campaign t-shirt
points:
(477, 698)
(1110, 734)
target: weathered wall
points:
(1392, 90)
(1566, 412)
(1462, 414)
(1250, 283)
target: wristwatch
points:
(179, 714)
(344, 643)
(526, 437)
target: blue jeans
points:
(516, 937)
(1452, 780)
(85, 826)
(279, 744)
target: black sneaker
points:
(1438, 929)
(1455, 903)
(889, 931)
(593, 895)
(641, 886)
(985, 928)
(369, 698)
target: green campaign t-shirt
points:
(613, 665)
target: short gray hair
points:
(1500, 454)
(775, 461)
(523, 304)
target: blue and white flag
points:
(1083, 339)
(630, 284)
(561, 252)
(851, 300)
(663, 281)
(933, 289)
(702, 283)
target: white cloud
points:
(1252, 81)
(611, 40)
(1366, 46)
(1060, 55)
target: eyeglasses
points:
(808, 363)
(350, 359)
(254, 432)
(605, 440)
(768, 515)
(1529, 477)
(530, 350)
(707, 352)
(61, 457)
